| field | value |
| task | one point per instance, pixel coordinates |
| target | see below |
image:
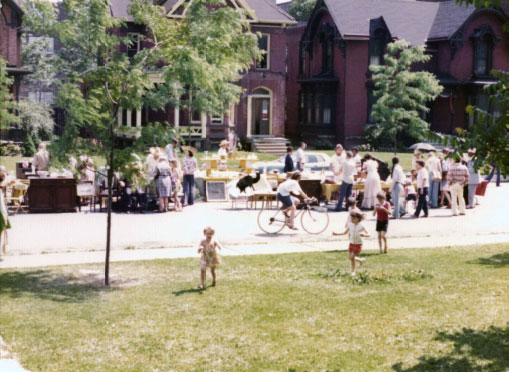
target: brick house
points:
(329, 91)
(10, 42)
(261, 110)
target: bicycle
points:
(313, 219)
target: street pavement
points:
(71, 238)
(37, 240)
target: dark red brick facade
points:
(350, 77)
(10, 40)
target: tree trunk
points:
(395, 143)
(109, 163)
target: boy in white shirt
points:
(284, 195)
(422, 189)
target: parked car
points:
(315, 161)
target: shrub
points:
(10, 149)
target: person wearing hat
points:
(223, 149)
(474, 178)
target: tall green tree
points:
(7, 104)
(402, 94)
(301, 10)
(490, 132)
(203, 55)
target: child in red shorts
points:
(355, 231)
(382, 211)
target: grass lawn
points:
(412, 310)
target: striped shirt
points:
(458, 173)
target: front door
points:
(261, 116)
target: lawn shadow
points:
(473, 351)
(497, 260)
(189, 291)
(46, 285)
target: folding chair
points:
(15, 197)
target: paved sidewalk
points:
(8, 362)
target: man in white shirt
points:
(398, 177)
(348, 169)
(299, 156)
(41, 159)
(435, 176)
(337, 162)
(284, 195)
(422, 188)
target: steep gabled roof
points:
(449, 19)
(268, 11)
(15, 6)
(262, 11)
(414, 21)
(119, 9)
(409, 20)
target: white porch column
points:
(138, 118)
(129, 118)
(249, 113)
(176, 117)
(119, 117)
(203, 125)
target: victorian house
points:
(10, 42)
(330, 91)
(261, 110)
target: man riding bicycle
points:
(284, 195)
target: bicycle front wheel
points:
(314, 220)
(271, 221)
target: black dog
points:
(248, 181)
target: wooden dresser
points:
(51, 195)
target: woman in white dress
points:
(372, 184)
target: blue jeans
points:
(421, 204)
(433, 191)
(345, 191)
(189, 189)
(398, 209)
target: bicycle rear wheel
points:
(314, 220)
(271, 221)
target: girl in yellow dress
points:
(209, 256)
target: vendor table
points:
(52, 195)
(328, 189)
(214, 164)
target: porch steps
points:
(270, 145)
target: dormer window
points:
(327, 41)
(484, 41)
(377, 47)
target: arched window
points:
(484, 41)
(377, 47)
(261, 91)
(483, 51)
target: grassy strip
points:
(411, 310)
